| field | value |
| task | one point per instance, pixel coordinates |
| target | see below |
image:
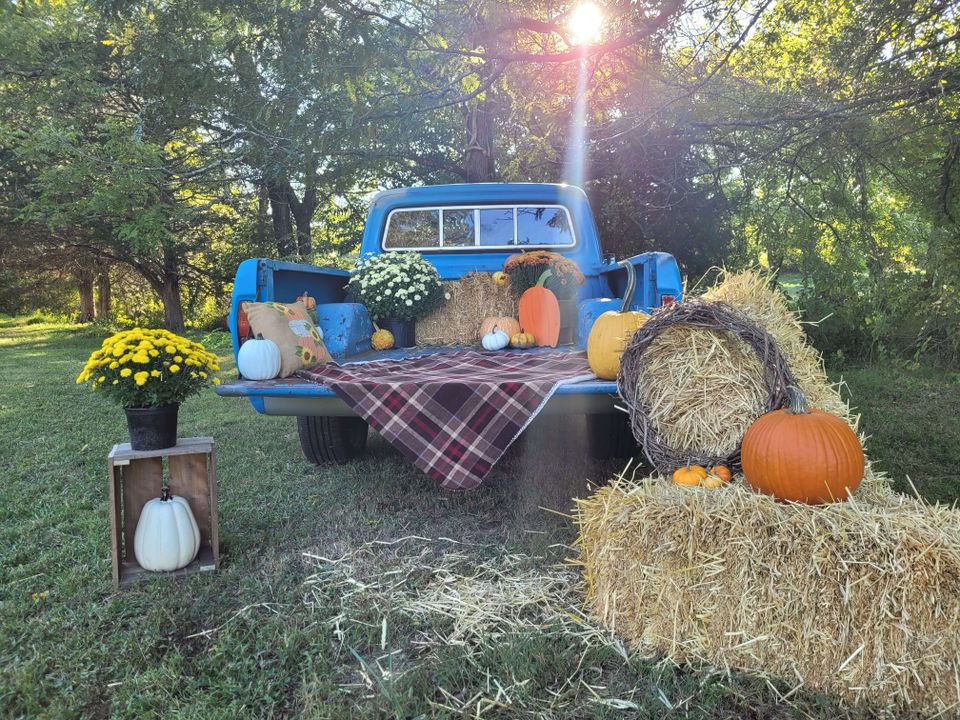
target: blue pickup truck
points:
(502, 219)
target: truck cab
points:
(459, 229)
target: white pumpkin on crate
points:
(496, 339)
(167, 537)
(259, 359)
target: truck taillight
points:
(243, 326)
(667, 300)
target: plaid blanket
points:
(452, 414)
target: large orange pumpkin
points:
(508, 324)
(540, 313)
(802, 454)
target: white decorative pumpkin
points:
(259, 359)
(496, 339)
(167, 536)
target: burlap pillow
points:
(291, 328)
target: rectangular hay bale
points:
(858, 599)
(471, 299)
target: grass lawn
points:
(308, 615)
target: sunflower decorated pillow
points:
(292, 329)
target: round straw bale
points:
(754, 293)
(694, 378)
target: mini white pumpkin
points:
(167, 536)
(496, 339)
(259, 359)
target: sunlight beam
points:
(585, 23)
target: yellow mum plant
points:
(149, 368)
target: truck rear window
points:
(487, 227)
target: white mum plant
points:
(396, 285)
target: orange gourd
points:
(522, 341)
(722, 472)
(712, 482)
(540, 313)
(801, 454)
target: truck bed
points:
(295, 396)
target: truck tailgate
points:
(295, 396)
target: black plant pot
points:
(152, 428)
(404, 332)
(568, 319)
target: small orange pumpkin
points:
(309, 303)
(540, 312)
(722, 472)
(802, 454)
(508, 324)
(691, 475)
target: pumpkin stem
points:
(259, 336)
(543, 276)
(631, 286)
(165, 494)
(798, 402)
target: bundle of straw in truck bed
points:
(468, 301)
(860, 599)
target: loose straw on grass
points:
(449, 598)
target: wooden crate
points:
(136, 476)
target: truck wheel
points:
(611, 436)
(332, 439)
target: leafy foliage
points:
(817, 138)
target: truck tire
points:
(611, 437)
(332, 439)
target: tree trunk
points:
(303, 211)
(263, 203)
(282, 219)
(172, 307)
(104, 299)
(85, 285)
(478, 160)
(169, 291)
(293, 210)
